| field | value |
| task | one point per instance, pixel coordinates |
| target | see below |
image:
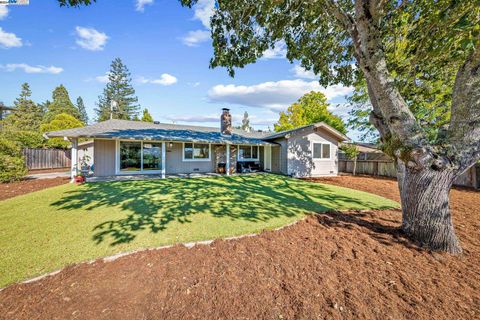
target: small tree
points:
(309, 109)
(27, 115)
(82, 110)
(147, 117)
(60, 122)
(351, 152)
(246, 123)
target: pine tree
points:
(147, 117)
(61, 104)
(26, 116)
(246, 123)
(120, 90)
(82, 110)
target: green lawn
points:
(46, 230)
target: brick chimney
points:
(226, 122)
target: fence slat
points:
(387, 168)
(46, 158)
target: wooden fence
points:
(386, 168)
(46, 158)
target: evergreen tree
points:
(82, 110)
(26, 116)
(246, 123)
(120, 90)
(147, 117)
(61, 104)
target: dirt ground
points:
(351, 265)
(10, 190)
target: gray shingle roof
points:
(282, 134)
(137, 130)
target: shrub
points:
(61, 121)
(11, 168)
(9, 148)
(26, 139)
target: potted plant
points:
(79, 179)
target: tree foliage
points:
(309, 109)
(61, 104)
(27, 115)
(12, 163)
(120, 90)
(82, 111)
(60, 122)
(146, 116)
(246, 123)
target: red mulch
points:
(10, 190)
(353, 265)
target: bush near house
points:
(12, 163)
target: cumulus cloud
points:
(194, 38)
(194, 118)
(276, 96)
(102, 79)
(140, 4)
(3, 12)
(278, 52)
(203, 11)
(9, 40)
(300, 72)
(164, 80)
(91, 39)
(32, 69)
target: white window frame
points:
(321, 151)
(141, 171)
(248, 159)
(193, 159)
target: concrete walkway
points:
(49, 175)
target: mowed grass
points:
(46, 230)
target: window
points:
(140, 156)
(152, 156)
(247, 153)
(321, 151)
(130, 156)
(196, 151)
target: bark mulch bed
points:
(329, 266)
(10, 190)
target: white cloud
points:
(9, 40)
(3, 12)
(300, 72)
(275, 96)
(140, 4)
(203, 11)
(164, 80)
(194, 118)
(278, 52)
(102, 79)
(194, 38)
(91, 39)
(32, 69)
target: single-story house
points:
(124, 147)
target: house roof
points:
(284, 134)
(138, 130)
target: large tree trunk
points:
(425, 206)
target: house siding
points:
(176, 165)
(300, 159)
(104, 158)
(276, 159)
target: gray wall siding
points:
(175, 164)
(86, 149)
(276, 159)
(283, 155)
(300, 158)
(104, 158)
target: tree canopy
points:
(61, 103)
(309, 109)
(146, 116)
(82, 111)
(120, 91)
(60, 121)
(27, 115)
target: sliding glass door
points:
(140, 156)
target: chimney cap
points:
(225, 109)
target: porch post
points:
(164, 157)
(74, 161)
(227, 165)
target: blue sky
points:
(167, 49)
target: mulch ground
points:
(350, 265)
(10, 190)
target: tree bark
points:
(426, 216)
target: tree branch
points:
(342, 17)
(464, 129)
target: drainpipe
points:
(227, 165)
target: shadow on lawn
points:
(153, 204)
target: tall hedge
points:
(12, 162)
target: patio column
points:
(164, 157)
(74, 161)
(227, 165)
